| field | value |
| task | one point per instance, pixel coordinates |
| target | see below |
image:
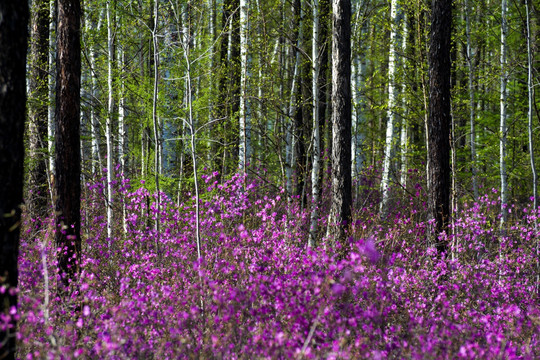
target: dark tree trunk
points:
(229, 89)
(340, 211)
(37, 110)
(439, 119)
(68, 158)
(323, 83)
(13, 44)
(303, 125)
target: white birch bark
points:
(244, 115)
(94, 121)
(122, 130)
(108, 129)
(531, 107)
(392, 103)
(155, 120)
(315, 177)
(52, 85)
(190, 124)
(404, 143)
(503, 113)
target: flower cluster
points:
(259, 292)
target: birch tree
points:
(404, 135)
(155, 120)
(244, 114)
(52, 88)
(530, 93)
(109, 125)
(94, 120)
(315, 176)
(395, 15)
(503, 131)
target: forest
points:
(279, 179)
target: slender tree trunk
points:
(439, 119)
(404, 141)
(67, 140)
(37, 114)
(340, 208)
(295, 108)
(52, 91)
(503, 106)
(315, 176)
(155, 120)
(109, 125)
(244, 113)
(122, 130)
(293, 114)
(530, 87)
(191, 126)
(94, 120)
(531, 134)
(14, 17)
(212, 83)
(392, 106)
(358, 97)
(324, 83)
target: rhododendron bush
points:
(260, 293)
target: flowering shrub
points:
(260, 293)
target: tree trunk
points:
(37, 111)
(324, 83)
(531, 134)
(13, 44)
(94, 120)
(109, 125)
(122, 128)
(244, 113)
(340, 209)
(503, 107)
(155, 120)
(530, 87)
(439, 119)
(52, 89)
(315, 176)
(67, 139)
(191, 126)
(392, 106)
(404, 136)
